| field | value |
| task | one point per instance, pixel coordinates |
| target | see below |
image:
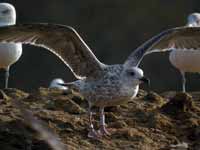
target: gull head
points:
(193, 20)
(135, 76)
(7, 14)
(56, 83)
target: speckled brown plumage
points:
(102, 85)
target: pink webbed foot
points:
(93, 134)
(103, 131)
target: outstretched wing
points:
(180, 38)
(63, 41)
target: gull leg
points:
(6, 76)
(92, 133)
(183, 81)
(103, 130)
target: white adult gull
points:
(187, 60)
(57, 83)
(102, 85)
(9, 53)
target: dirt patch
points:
(149, 122)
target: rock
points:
(3, 96)
(15, 93)
(71, 107)
(180, 146)
(66, 105)
(159, 121)
(111, 117)
(118, 124)
(196, 145)
(192, 122)
(180, 103)
(80, 101)
(130, 134)
(113, 109)
(141, 93)
(194, 133)
(49, 92)
(168, 94)
(154, 98)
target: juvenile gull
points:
(57, 83)
(102, 85)
(9, 53)
(187, 60)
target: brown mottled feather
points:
(62, 40)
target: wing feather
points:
(180, 38)
(62, 40)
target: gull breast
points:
(9, 54)
(185, 60)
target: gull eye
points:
(5, 11)
(131, 73)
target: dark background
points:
(112, 29)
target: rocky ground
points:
(168, 121)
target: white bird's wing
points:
(62, 40)
(180, 38)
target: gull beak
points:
(145, 80)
